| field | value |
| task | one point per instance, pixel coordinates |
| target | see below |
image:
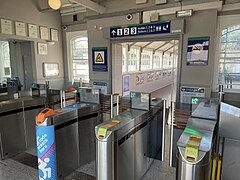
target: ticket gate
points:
(126, 144)
(17, 125)
(73, 131)
(195, 148)
(12, 134)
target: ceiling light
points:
(55, 4)
(67, 5)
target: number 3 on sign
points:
(133, 30)
(126, 31)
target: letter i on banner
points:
(46, 153)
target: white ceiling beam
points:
(90, 5)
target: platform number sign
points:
(140, 29)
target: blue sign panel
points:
(140, 29)
(46, 153)
(99, 56)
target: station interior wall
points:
(28, 11)
(202, 23)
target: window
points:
(166, 60)
(79, 52)
(5, 60)
(146, 59)
(133, 59)
(229, 59)
(157, 60)
(124, 59)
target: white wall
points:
(28, 11)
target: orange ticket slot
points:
(103, 129)
(70, 90)
(44, 114)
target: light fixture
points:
(55, 4)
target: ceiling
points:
(69, 7)
(161, 46)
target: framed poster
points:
(126, 85)
(50, 69)
(54, 34)
(197, 51)
(44, 33)
(20, 28)
(140, 79)
(6, 26)
(158, 75)
(99, 56)
(42, 48)
(150, 76)
(32, 31)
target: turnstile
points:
(17, 125)
(194, 158)
(229, 133)
(73, 132)
(127, 143)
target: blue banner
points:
(140, 29)
(46, 153)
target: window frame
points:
(224, 22)
(74, 60)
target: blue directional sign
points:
(140, 29)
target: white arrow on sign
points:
(113, 32)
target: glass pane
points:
(80, 64)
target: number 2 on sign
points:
(126, 31)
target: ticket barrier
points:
(195, 148)
(123, 141)
(17, 125)
(72, 127)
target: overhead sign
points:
(100, 59)
(140, 29)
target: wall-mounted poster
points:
(32, 31)
(42, 48)
(126, 85)
(197, 51)
(6, 26)
(20, 28)
(54, 34)
(44, 33)
(158, 75)
(164, 74)
(150, 76)
(140, 79)
(99, 56)
(50, 69)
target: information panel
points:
(140, 29)
(188, 92)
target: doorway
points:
(17, 63)
(146, 66)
